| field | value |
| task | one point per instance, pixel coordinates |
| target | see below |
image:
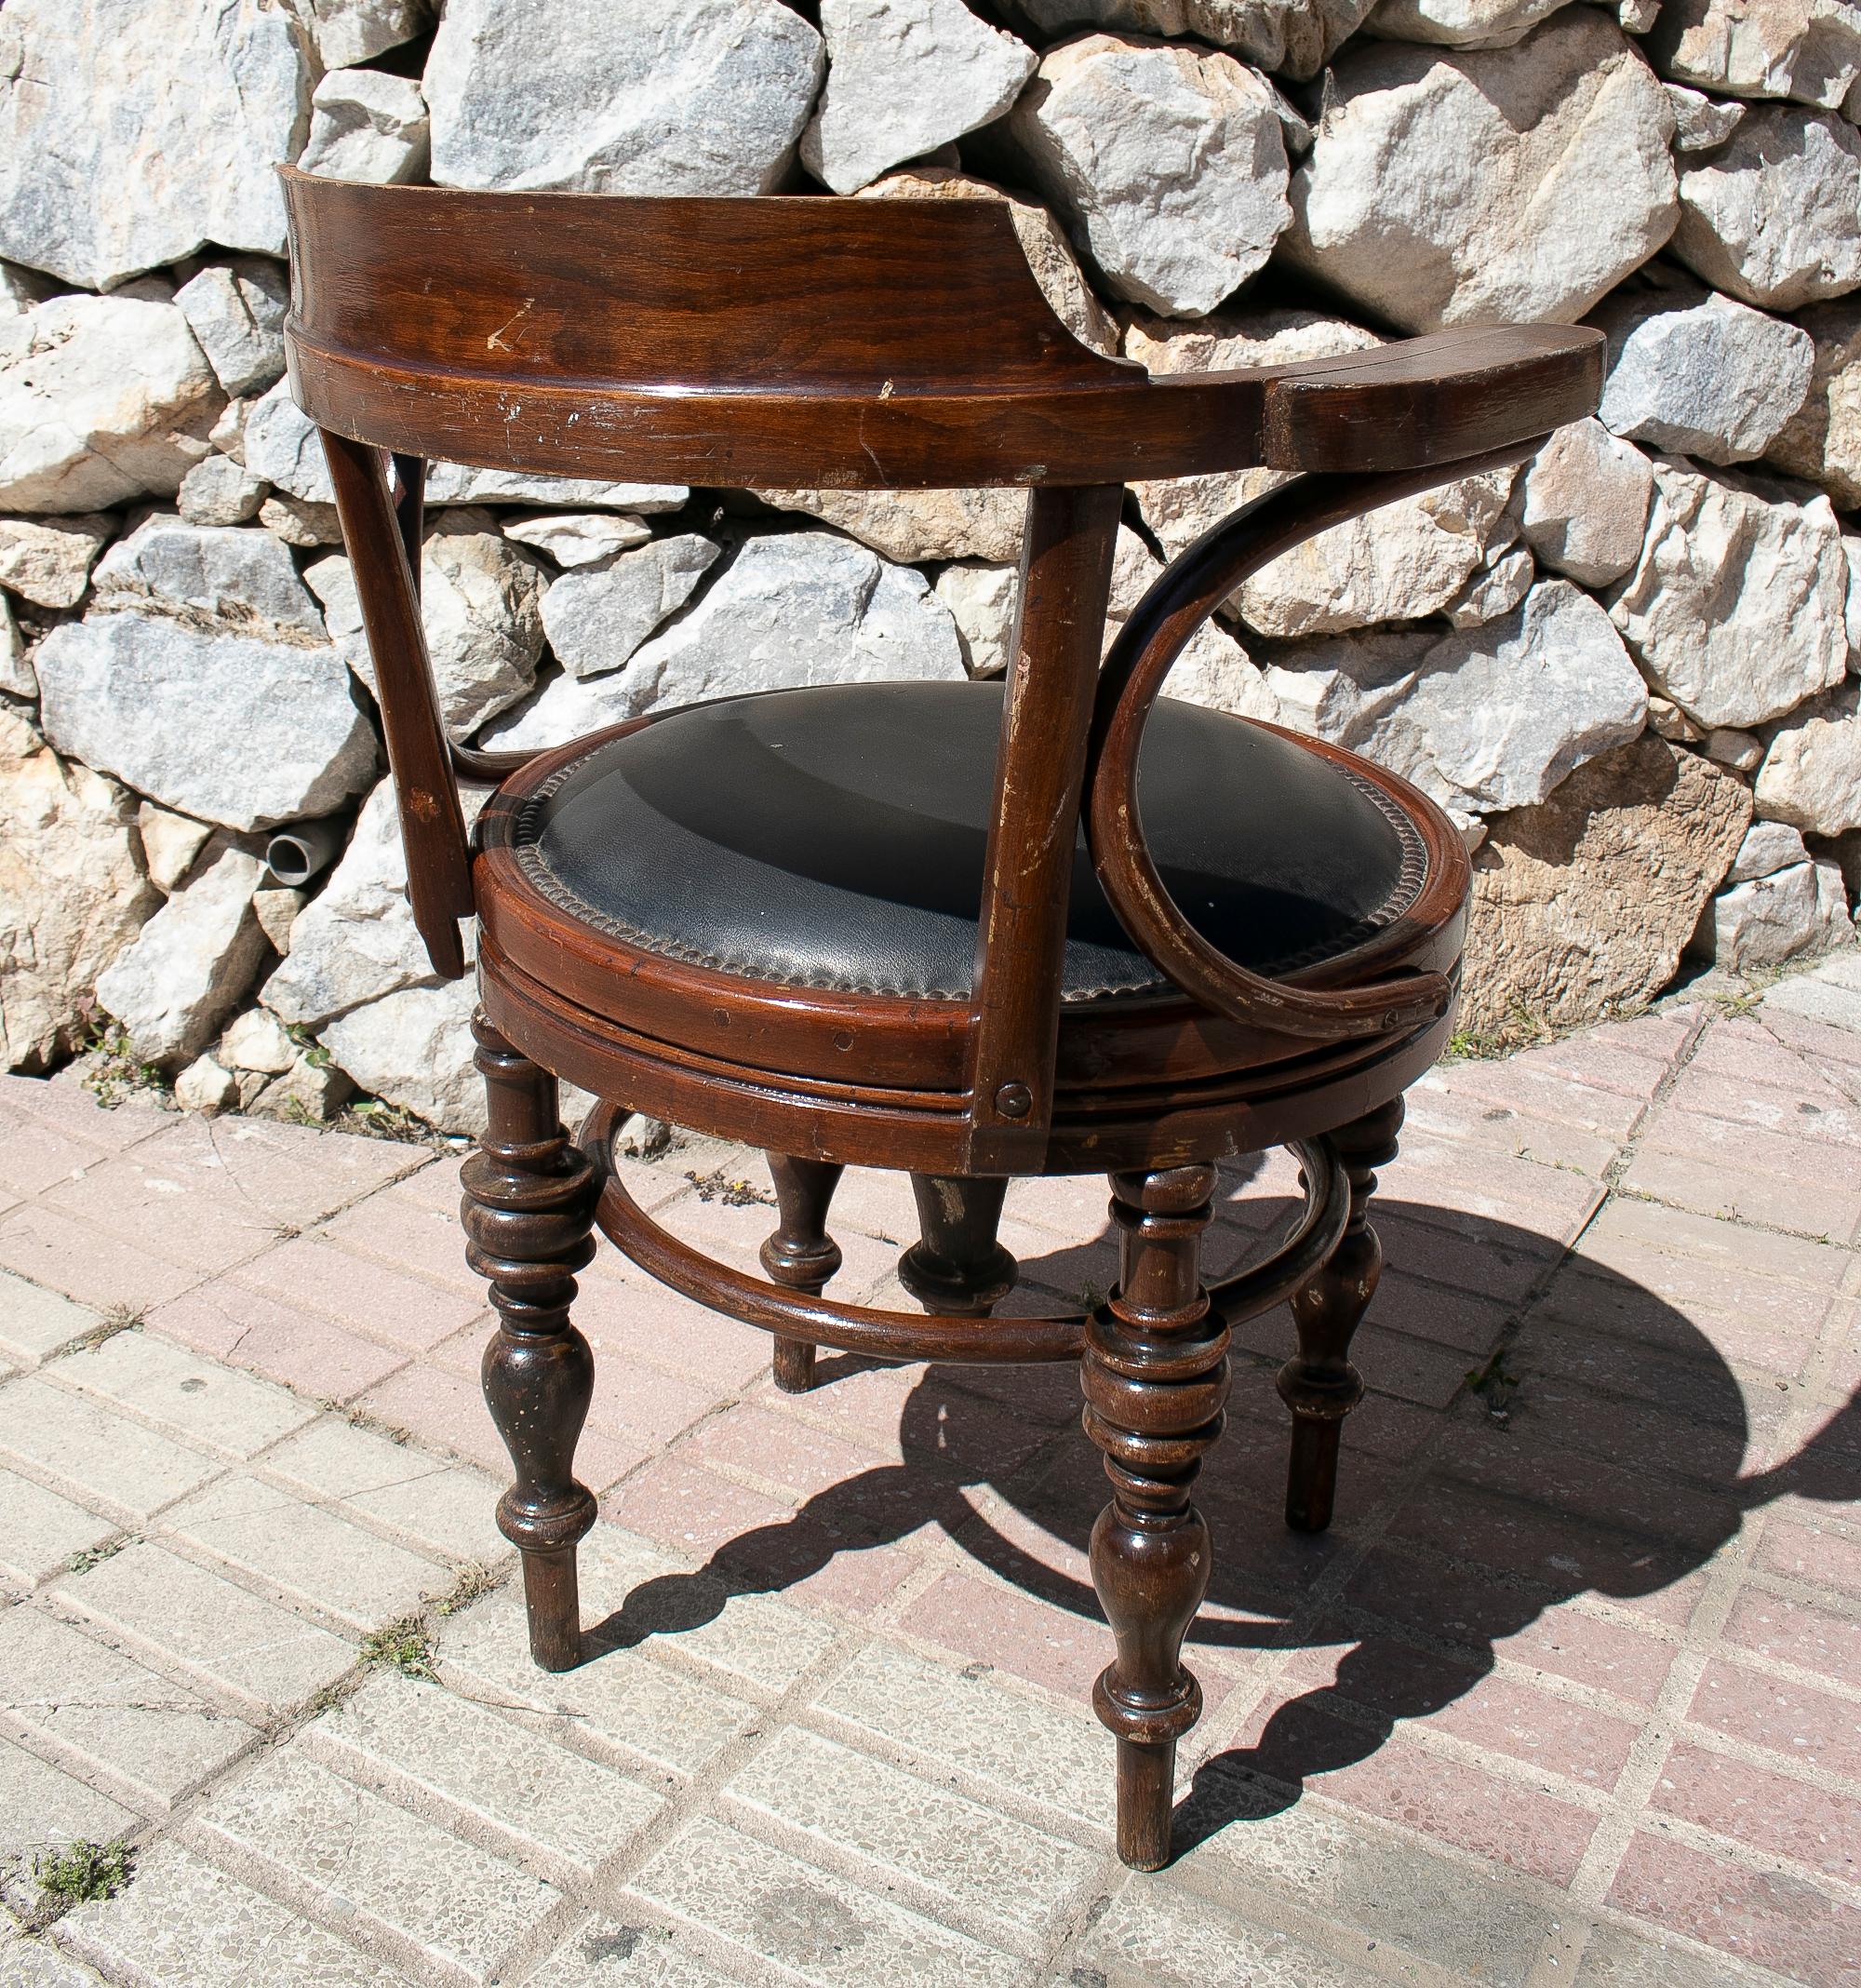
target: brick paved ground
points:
(1572, 1696)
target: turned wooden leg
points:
(957, 1267)
(800, 1255)
(1155, 1375)
(528, 1207)
(1320, 1386)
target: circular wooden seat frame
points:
(898, 345)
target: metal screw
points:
(1014, 1100)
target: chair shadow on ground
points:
(1417, 1629)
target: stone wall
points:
(1628, 670)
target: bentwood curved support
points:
(799, 1313)
(855, 924)
(1178, 602)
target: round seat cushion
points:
(835, 837)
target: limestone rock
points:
(1053, 266)
(577, 538)
(1396, 563)
(218, 490)
(236, 313)
(176, 982)
(1461, 24)
(806, 607)
(1496, 588)
(913, 525)
(22, 289)
(1737, 607)
(1822, 441)
(1487, 717)
(256, 1041)
(73, 892)
(207, 1088)
(481, 601)
(345, 32)
(276, 911)
(1812, 771)
(102, 400)
(240, 578)
(1214, 669)
(596, 619)
(1701, 122)
(1741, 751)
(280, 443)
(683, 97)
(1166, 163)
(310, 1093)
(171, 843)
(364, 124)
(1487, 187)
(299, 524)
(153, 693)
(450, 483)
(1768, 847)
(1583, 904)
(1808, 49)
(981, 597)
(355, 942)
(905, 77)
(47, 561)
(1764, 921)
(1298, 36)
(1583, 502)
(414, 1049)
(1774, 216)
(134, 131)
(1699, 373)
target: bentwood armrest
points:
(1425, 400)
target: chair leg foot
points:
(957, 1268)
(1146, 1790)
(553, 1603)
(1156, 1377)
(529, 1212)
(1320, 1385)
(799, 1253)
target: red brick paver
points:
(1585, 1636)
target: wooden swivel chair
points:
(920, 926)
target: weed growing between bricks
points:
(77, 1874)
(94, 1556)
(718, 1186)
(404, 1645)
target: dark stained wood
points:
(1034, 828)
(800, 1255)
(956, 1265)
(1156, 1377)
(432, 827)
(1320, 1386)
(873, 345)
(863, 344)
(528, 1211)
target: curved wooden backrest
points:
(880, 344)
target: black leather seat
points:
(834, 838)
